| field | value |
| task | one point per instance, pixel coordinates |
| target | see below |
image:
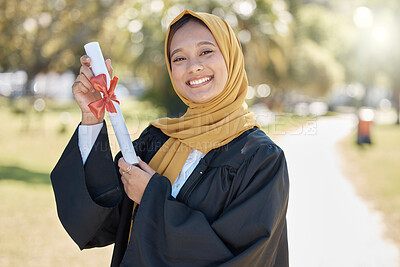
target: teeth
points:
(200, 81)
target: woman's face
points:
(197, 65)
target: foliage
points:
(38, 35)
(315, 67)
(49, 35)
(316, 70)
(291, 45)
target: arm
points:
(86, 196)
(89, 198)
(87, 135)
(248, 232)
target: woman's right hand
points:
(84, 91)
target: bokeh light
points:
(363, 17)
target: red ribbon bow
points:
(99, 83)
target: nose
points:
(195, 66)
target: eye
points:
(177, 59)
(205, 52)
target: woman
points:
(212, 188)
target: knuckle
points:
(76, 84)
(84, 59)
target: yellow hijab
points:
(208, 125)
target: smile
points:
(200, 82)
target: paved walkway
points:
(328, 224)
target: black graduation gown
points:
(230, 212)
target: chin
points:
(201, 101)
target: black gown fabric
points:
(230, 212)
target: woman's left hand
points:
(136, 179)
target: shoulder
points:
(153, 132)
(253, 144)
(258, 144)
(149, 142)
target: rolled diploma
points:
(117, 119)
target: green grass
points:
(375, 172)
(30, 232)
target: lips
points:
(199, 81)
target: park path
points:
(328, 224)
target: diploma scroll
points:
(117, 120)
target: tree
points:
(371, 52)
(38, 35)
(314, 66)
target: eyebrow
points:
(198, 44)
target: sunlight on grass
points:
(375, 172)
(30, 232)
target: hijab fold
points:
(210, 125)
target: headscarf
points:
(209, 125)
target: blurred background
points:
(308, 62)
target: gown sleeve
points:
(86, 201)
(88, 197)
(250, 230)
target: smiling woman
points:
(197, 65)
(212, 188)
